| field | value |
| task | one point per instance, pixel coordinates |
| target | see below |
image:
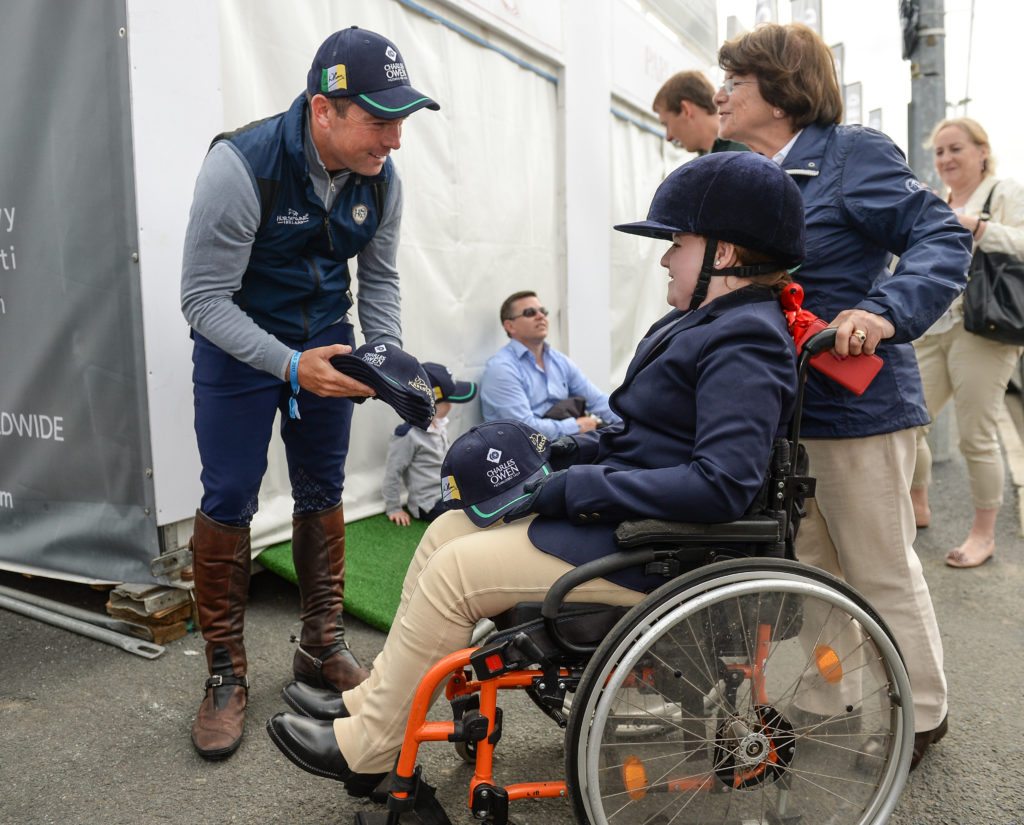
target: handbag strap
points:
(986, 210)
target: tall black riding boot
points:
(221, 558)
(318, 550)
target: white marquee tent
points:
(543, 141)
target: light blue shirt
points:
(513, 386)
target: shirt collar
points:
(780, 156)
(519, 348)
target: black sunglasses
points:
(529, 312)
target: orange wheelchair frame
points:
(548, 655)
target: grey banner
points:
(75, 495)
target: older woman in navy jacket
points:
(710, 386)
(863, 204)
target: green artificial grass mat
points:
(377, 554)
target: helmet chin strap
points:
(708, 271)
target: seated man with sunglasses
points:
(528, 377)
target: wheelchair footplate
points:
(410, 802)
(475, 731)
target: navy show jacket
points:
(702, 401)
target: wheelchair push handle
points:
(820, 341)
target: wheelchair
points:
(749, 689)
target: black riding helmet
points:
(738, 197)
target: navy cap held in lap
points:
(487, 467)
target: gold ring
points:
(860, 334)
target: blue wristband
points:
(293, 374)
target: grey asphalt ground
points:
(91, 734)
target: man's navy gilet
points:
(297, 281)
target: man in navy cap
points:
(281, 207)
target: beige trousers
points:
(459, 574)
(860, 527)
(974, 372)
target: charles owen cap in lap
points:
(398, 378)
(363, 65)
(739, 197)
(446, 388)
(487, 467)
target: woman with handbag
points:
(971, 367)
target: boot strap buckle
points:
(217, 681)
(318, 663)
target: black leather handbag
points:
(994, 298)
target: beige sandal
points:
(971, 553)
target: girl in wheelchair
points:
(709, 388)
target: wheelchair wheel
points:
(752, 691)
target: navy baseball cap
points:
(398, 378)
(368, 68)
(739, 197)
(487, 467)
(445, 387)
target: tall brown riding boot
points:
(221, 558)
(318, 550)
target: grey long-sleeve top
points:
(221, 231)
(415, 459)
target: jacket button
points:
(581, 516)
(595, 515)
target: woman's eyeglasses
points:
(529, 312)
(729, 85)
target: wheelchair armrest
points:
(653, 532)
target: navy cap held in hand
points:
(397, 376)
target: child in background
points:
(415, 456)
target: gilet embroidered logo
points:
(333, 78)
(293, 218)
(360, 213)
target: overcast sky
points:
(872, 39)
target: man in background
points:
(686, 108)
(530, 381)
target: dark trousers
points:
(433, 512)
(235, 405)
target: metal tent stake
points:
(148, 650)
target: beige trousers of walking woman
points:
(974, 372)
(860, 527)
